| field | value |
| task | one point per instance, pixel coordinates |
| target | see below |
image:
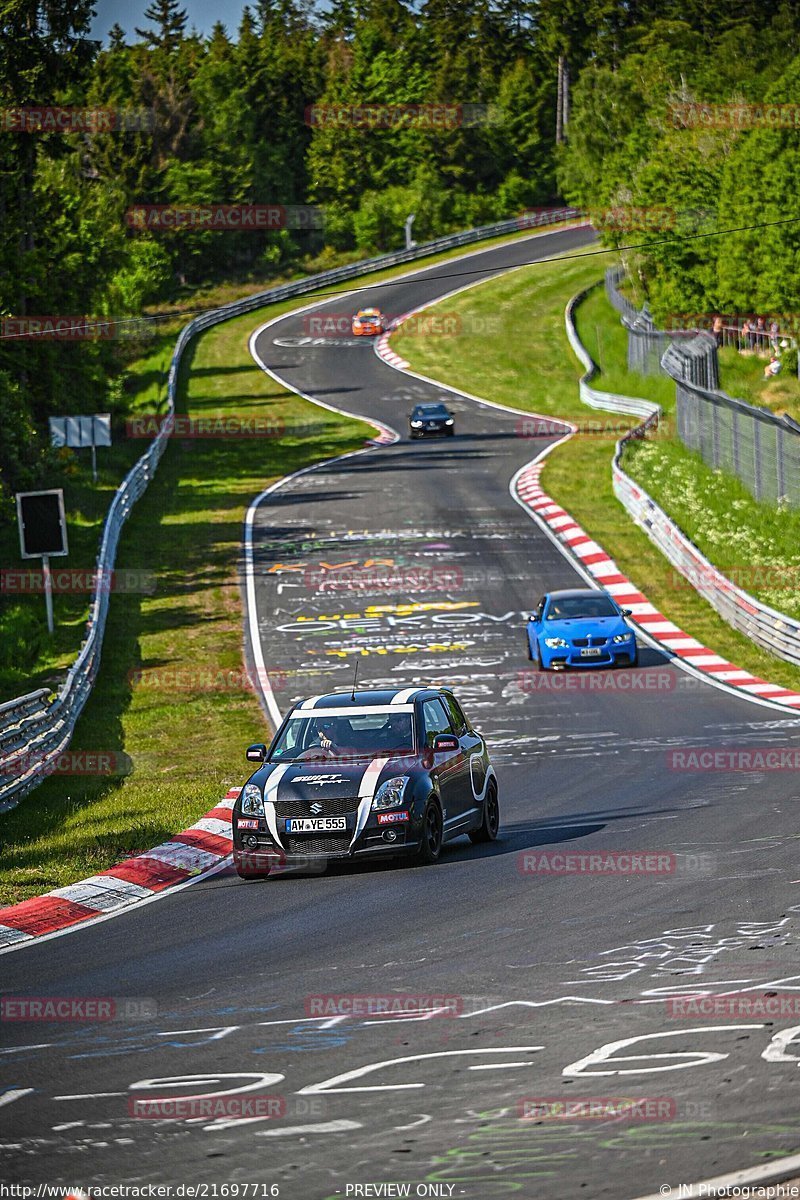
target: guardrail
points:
(33, 732)
(633, 406)
(772, 630)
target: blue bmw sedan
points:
(580, 627)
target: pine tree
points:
(170, 21)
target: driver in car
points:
(325, 734)
(326, 731)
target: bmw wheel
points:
(431, 842)
(487, 830)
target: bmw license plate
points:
(591, 652)
(316, 825)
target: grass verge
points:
(742, 376)
(533, 368)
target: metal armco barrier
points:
(773, 631)
(33, 732)
(631, 405)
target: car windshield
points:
(581, 607)
(368, 314)
(432, 410)
(381, 732)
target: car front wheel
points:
(430, 846)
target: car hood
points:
(329, 780)
(572, 627)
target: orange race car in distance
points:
(369, 322)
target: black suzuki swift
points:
(372, 773)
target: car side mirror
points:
(627, 612)
(256, 753)
(445, 742)
(532, 617)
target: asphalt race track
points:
(414, 560)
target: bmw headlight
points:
(622, 637)
(416, 424)
(554, 643)
(252, 800)
(390, 794)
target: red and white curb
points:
(384, 350)
(606, 574)
(184, 858)
(386, 436)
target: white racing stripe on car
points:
(270, 790)
(366, 793)
(404, 696)
(478, 796)
(310, 702)
(360, 710)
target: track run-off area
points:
(543, 978)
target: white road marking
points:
(327, 1086)
(340, 1126)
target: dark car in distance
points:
(431, 420)
(369, 774)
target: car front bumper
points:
(432, 430)
(396, 837)
(570, 656)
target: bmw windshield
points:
(581, 608)
(381, 732)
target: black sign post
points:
(42, 534)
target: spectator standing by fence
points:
(717, 329)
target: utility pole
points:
(560, 102)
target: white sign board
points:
(78, 432)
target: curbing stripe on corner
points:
(703, 660)
(188, 856)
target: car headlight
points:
(449, 421)
(622, 637)
(554, 643)
(416, 424)
(390, 794)
(252, 800)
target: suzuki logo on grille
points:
(316, 807)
